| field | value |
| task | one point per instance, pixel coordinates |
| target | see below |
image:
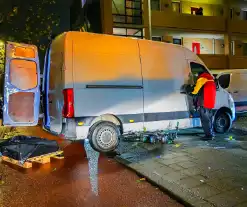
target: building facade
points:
(214, 29)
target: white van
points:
(99, 86)
(235, 82)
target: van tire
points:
(222, 122)
(104, 136)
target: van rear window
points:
(23, 74)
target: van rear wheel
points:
(222, 122)
(104, 136)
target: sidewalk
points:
(195, 172)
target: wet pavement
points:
(83, 178)
(211, 173)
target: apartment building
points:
(214, 29)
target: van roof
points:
(228, 71)
(70, 33)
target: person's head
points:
(200, 73)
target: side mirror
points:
(217, 83)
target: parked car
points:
(235, 82)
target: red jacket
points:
(206, 81)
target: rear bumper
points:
(72, 131)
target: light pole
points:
(150, 19)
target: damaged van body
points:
(99, 86)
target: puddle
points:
(93, 158)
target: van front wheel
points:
(104, 136)
(222, 122)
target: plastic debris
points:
(177, 145)
(242, 188)
(141, 179)
(209, 168)
(219, 147)
(202, 181)
(156, 173)
(23, 147)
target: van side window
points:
(197, 68)
(224, 80)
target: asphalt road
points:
(83, 178)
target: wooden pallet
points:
(42, 159)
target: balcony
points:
(190, 22)
(215, 61)
(238, 62)
(237, 26)
(182, 15)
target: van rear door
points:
(21, 85)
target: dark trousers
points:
(206, 116)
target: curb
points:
(173, 195)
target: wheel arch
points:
(110, 118)
(222, 110)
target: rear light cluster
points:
(68, 105)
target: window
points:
(224, 80)
(23, 74)
(156, 38)
(197, 68)
(176, 7)
(177, 41)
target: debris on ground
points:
(202, 181)
(23, 150)
(140, 180)
(177, 145)
(219, 147)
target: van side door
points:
(21, 85)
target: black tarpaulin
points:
(24, 147)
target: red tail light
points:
(68, 106)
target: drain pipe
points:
(149, 19)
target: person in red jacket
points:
(205, 90)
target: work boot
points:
(208, 138)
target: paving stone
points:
(203, 203)
(190, 182)
(192, 171)
(187, 164)
(172, 161)
(176, 175)
(221, 185)
(184, 193)
(176, 167)
(226, 199)
(244, 204)
(198, 173)
(205, 191)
